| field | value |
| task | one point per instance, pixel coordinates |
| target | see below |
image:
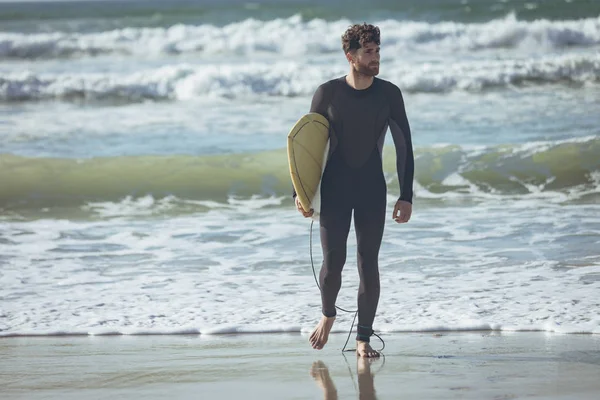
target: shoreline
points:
(300, 332)
(470, 365)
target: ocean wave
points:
(159, 184)
(279, 36)
(290, 79)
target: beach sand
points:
(467, 365)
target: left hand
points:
(402, 211)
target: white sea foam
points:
(248, 270)
(66, 129)
(280, 36)
(148, 205)
(188, 81)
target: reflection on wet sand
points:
(366, 386)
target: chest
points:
(359, 115)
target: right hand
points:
(301, 209)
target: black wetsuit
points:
(353, 180)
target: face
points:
(365, 60)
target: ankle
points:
(364, 333)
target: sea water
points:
(143, 174)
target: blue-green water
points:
(143, 176)
(150, 79)
(100, 15)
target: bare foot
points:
(320, 373)
(364, 349)
(319, 336)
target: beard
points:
(367, 69)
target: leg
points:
(335, 218)
(369, 233)
(335, 227)
(369, 220)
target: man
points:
(359, 108)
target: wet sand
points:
(468, 365)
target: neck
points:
(359, 81)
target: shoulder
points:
(392, 93)
(389, 88)
(325, 91)
(329, 86)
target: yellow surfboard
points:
(307, 148)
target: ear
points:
(349, 57)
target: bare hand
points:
(304, 213)
(402, 211)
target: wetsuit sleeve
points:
(318, 105)
(320, 101)
(400, 129)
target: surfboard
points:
(307, 148)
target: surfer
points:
(359, 108)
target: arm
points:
(400, 129)
(320, 100)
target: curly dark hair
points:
(357, 35)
